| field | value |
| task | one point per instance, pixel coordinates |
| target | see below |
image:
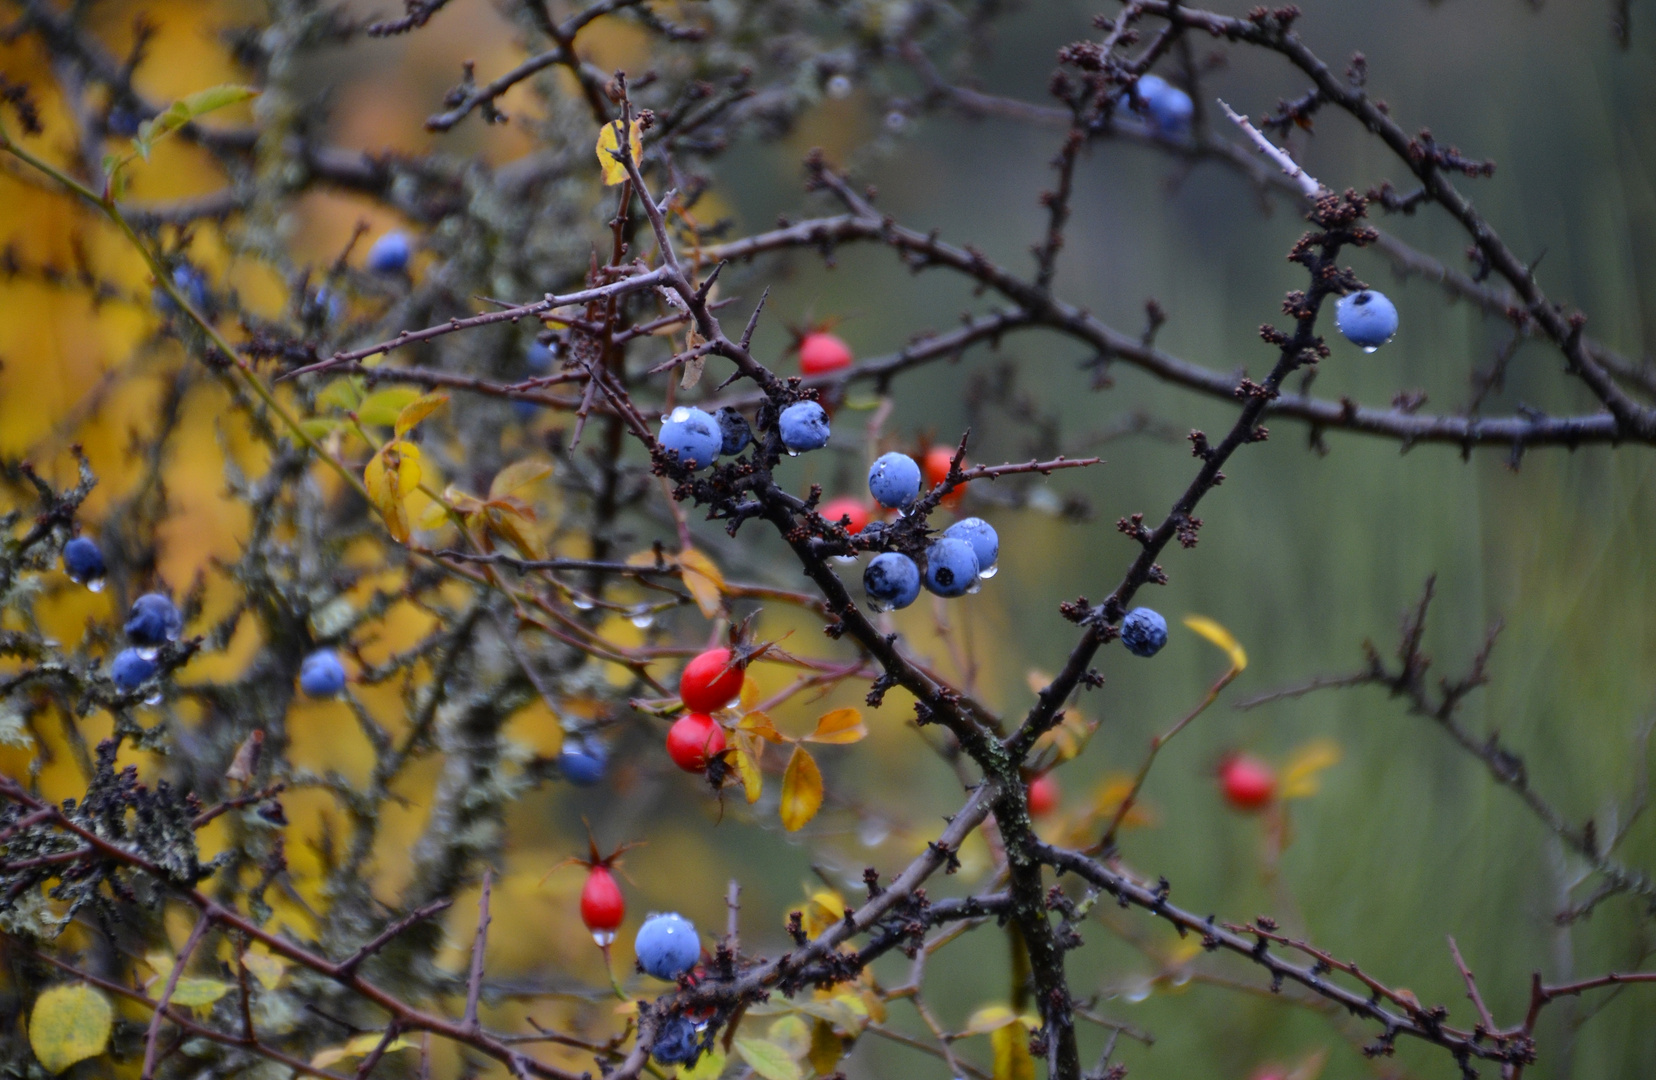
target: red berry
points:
(847, 507)
(710, 681)
(602, 905)
(821, 352)
(937, 462)
(1043, 795)
(1247, 782)
(693, 739)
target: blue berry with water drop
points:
(667, 945)
(1144, 632)
(733, 430)
(1366, 318)
(951, 567)
(322, 675)
(389, 254)
(891, 581)
(153, 621)
(131, 669)
(983, 538)
(82, 560)
(538, 358)
(692, 434)
(894, 480)
(583, 760)
(803, 426)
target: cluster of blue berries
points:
(667, 945)
(389, 254)
(1169, 107)
(1366, 318)
(955, 562)
(583, 759)
(153, 621)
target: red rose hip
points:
(936, 464)
(710, 681)
(602, 905)
(693, 740)
(1246, 782)
(1043, 795)
(846, 507)
(821, 352)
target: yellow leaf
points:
(510, 528)
(791, 1034)
(69, 1024)
(417, 410)
(747, 767)
(1011, 1048)
(768, 1059)
(824, 908)
(801, 790)
(382, 407)
(266, 968)
(609, 143)
(1109, 798)
(391, 474)
(1220, 637)
(340, 394)
(703, 580)
(839, 727)
(708, 1066)
(517, 476)
(759, 723)
(989, 1018)
(1037, 680)
(194, 993)
(826, 1048)
(1299, 775)
(359, 1046)
(749, 698)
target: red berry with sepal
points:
(602, 905)
(846, 507)
(821, 353)
(1247, 783)
(710, 681)
(693, 739)
(1043, 795)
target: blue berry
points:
(83, 562)
(191, 283)
(130, 669)
(154, 621)
(951, 567)
(1366, 318)
(891, 581)
(983, 538)
(583, 760)
(1144, 632)
(733, 430)
(389, 255)
(803, 426)
(894, 480)
(693, 435)
(1170, 108)
(678, 1042)
(321, 675)
(667, 945)
(538, 358)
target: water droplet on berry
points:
(878, 607)
(1370, 348)
(582, 603)
(603, 937)
(845, 558)
(679, 415)
(989, 573)
(976, 586)
(150, 653)
(153, 699)
(793, 453)
(96, 584)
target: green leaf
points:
(768, 1059)
(194, 993)
(340, 394)
(383, 407)
(69, 1024)
(186, 109)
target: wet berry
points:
(710, 681)
(693, 739)
(602, 905)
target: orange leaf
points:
(760, 724)
(801, 790)
(839, 727)
(703, 580)
(748, 748)
(517, 476)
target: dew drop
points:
(874, 832)
(153, 699)
(793, 453)
(845, 558)
(976, 586)
(1182, 978)
(1137, 992)
(150, 653)
(989, 573)
(679, 415)
(642, 617)
(96, 585)
(1370, 348)
(878, 607)
(582, 603)
(603, 937)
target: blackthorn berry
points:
(188, 281)
(951, 567)
(154, 621)
(1144, 632)
(389, 255)
(693, 435)
(984, 540)
(83, 562)
(891, 581)
(667, 945)
(803, 426)
(1366, 318)
(130, 669)
(733, 430)
(678, 1042)
(583, 760)
(321, 675)
(1170, 108)
(894, 480)
(538, 358)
